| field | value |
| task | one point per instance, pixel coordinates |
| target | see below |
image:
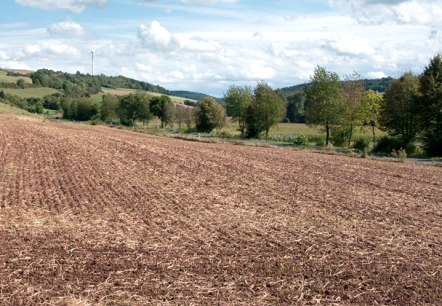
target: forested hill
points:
(188, 94)
(379, 85)
(79, 84)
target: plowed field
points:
(99, 216)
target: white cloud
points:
(73, 5)
(423, 12)
(47, 49)
(210, 48)
(196, 44)
(210, 61)
(257, 69)
(156, 37)
(3, 55)
(13, 65)
(376, 75)
(349, 46)
(66, 28)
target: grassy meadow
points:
(4, 78)
(296, 129)
(38, 92)
(11, 110)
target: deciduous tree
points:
(109, 108)
(237, 99)
(399, 112)
(81, 109)
(431, 106)
(210, 115)
(371, 105)
(324, 101)
(296, 107)
(163, 108)
(266, 110)
(353, 89)
(134, 107)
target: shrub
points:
(339, 136)
(362, 143)
(190, 103)
(39, 107)
(301, 140)
(386, 144)
(81, 109)
(127, 122)
(433, 143)
(400, 154)
(318, 140)
(364, 153)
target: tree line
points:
(136, 107)
(410, 110)
(256, 110)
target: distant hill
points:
(379, 85)
(188, 94)
(79, 84)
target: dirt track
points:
(94, 215)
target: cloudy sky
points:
(208, 45)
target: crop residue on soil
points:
(93, 215)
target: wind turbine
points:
(93, 59)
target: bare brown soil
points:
(99, 216)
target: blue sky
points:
(208, 45)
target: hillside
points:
(91, 215)
(9, 109)
(7, 76)
(33, 92)
(126, 91)
(86, 84)
(82, 84)
(188, 94)
(379, 85)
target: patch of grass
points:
(97, 97)
(4, 78)
(8, 109)
(296, 129)
(118, 91)
(52, 113)
(38, 92)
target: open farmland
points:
(298, 129)
(37, 92)
(94, 215)
(4, 77)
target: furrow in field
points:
(113, 217)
